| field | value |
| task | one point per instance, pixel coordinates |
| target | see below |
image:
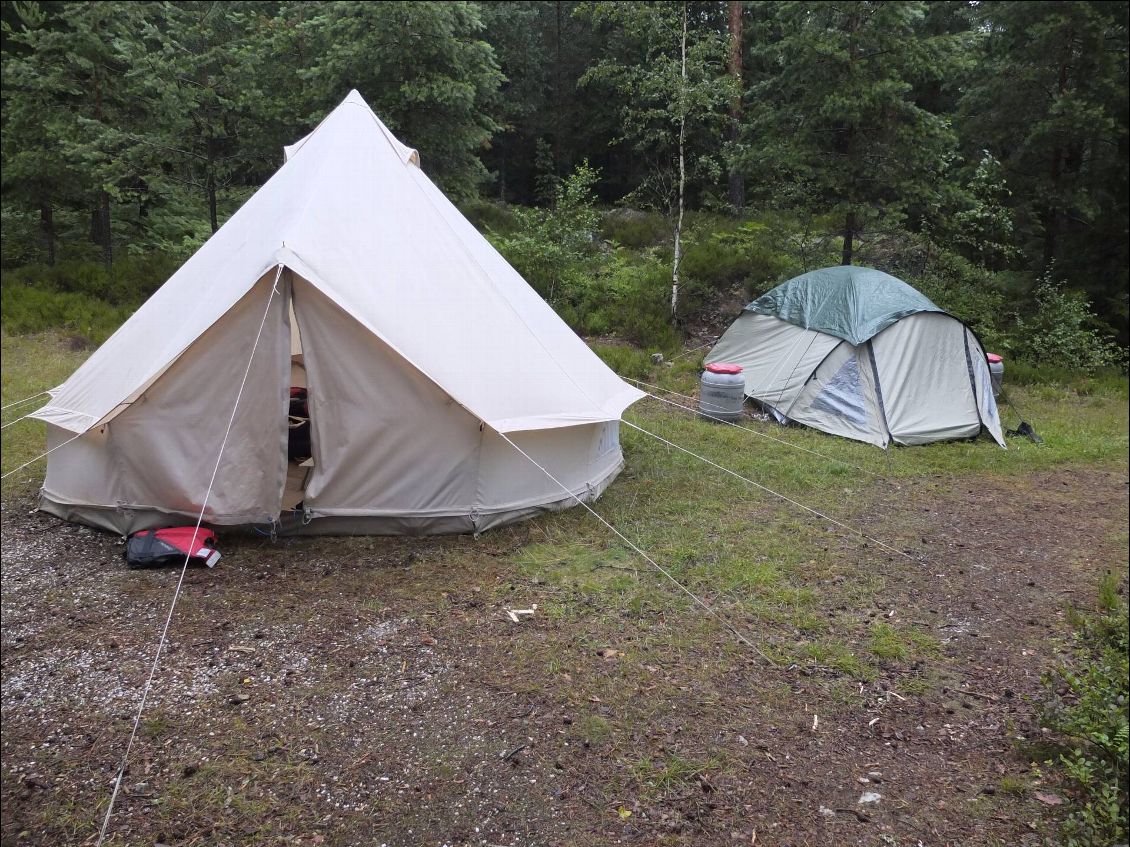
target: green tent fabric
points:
(849, 302)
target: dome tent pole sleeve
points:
(776, 494)
(700, 602)
(184, 567)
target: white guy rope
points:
(745, 428)
(21, 402)
(41, 455)
(17, 420)
(768, 490)
(641, 553)
(184, 567)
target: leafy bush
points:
(36, 309)
(554, 248)
(743, 254)
(1091, 721)
(130, 281)
(1064, 332)
(627, 361)
(487, 216)
(631, 228)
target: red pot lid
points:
(994, 358)
(723, 368)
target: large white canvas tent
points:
(349, 273)
(858, 353)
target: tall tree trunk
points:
(1051, 215)
(47, 227)
(100, 227)
(210, 187)
(737, 180)
(849, 238)
(100, 219)
(682, 172)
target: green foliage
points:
(744, 253)
(1090, 721)
(1048, 100)
(488, 216)
(36, 309)
(635, 229)
(626, 361)
(841, 118)
(555, 248)
(666, 114)
(1064, 332)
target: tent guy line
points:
(21, 402)
(748, 429)
(17, 420)
(700, 602)
(41, 455)
(184, 568)
(769, 490)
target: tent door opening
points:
(299, 449)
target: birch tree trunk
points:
(682, 172)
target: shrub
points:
(1090, 720)
(28, 309)
(130, 281)
(631, 228)
(627, 361)
(1064, 332)
(744, 254)
(489, 217)
(554, 248)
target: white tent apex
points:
(406, 154)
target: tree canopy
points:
(997, 130)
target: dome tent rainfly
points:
(858, 353)
(351, 274)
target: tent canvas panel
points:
(925, 380)
(982, 383)
(155, 454)
(386, 440)
(842, 398)
(777, 358)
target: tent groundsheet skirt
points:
(123, 521)
(505, 487)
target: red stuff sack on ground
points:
(155, 548)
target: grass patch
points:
(889, 643)
(1088, 714)
(32, 363)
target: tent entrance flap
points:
(299, 447)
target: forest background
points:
(977, 150)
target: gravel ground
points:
(375, 692)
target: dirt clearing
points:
(374, 691)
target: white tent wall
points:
(391, 445)
(842, 398)
(157, 455)
(925, 379)
(421, 345)
(386, 439)
(777, 358)
(982, 381)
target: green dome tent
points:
(856, 352)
